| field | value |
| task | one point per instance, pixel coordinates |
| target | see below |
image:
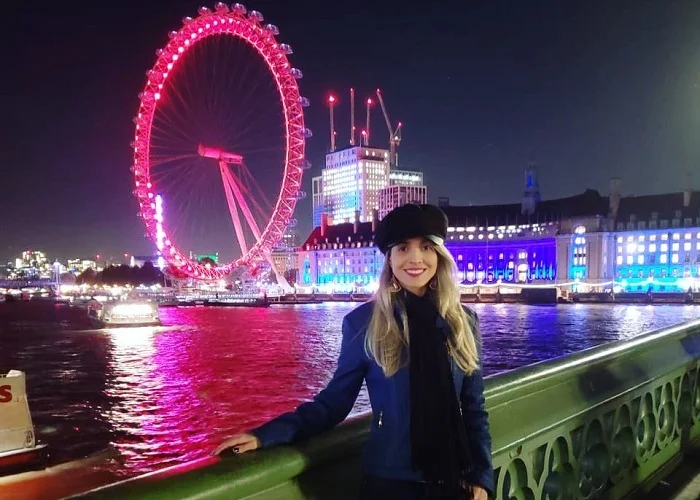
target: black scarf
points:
(439, 442)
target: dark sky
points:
(586, 90)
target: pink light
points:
(369, 100)
(331, 99)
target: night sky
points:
(585, 91)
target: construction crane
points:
(352, 117)
(394, 135)
(331, 104)
(369, 104)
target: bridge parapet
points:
(607, 422)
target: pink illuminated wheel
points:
(219, 143)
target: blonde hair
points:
(385, 340)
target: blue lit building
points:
(657, 242)
(340, 257)
(581, 243)
(532, 241)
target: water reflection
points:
(162, 395)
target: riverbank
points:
(526, 296)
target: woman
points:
(418, 350)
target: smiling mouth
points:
(414, 273)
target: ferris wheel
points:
(219, 143)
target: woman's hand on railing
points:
(240, 443)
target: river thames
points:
(164, 395)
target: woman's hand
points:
(240, 444)
(479, 493)
(473, 492)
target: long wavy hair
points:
(386, 340)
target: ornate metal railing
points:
(607, 422)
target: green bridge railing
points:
(607, 422)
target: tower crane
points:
(394, 135)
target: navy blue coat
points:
(388, 449)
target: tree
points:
(207, 260)
(87, 277)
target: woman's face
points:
(414, 263)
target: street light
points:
(57, 270)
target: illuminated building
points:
(286, 261)
(139, 261)
(77, 266)
(405, 178)
(657, 242)
(519, 242)
(214, 257)
(289, 241)
(317, 199)
(586, 242)
(31, 265)
(404, 187)
(351, 183)
(340, 257)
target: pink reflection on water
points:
(182, 388)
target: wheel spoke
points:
(223, 167)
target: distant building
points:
(499, 242)
(578, 243)
(286, 261)
(317, 199)
(405, 186)
(32, 264)
(443, 201)
(657, 241)
(405, 178)
(531, 193)
(351, 183)
(340, 257)
(394, 196)
(157, 260)
(289, 240)
(77, 266)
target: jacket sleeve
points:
(331, 405)
(476, 420)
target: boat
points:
(124, 313)
(18, 444)
(27, 470)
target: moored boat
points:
(18, 444)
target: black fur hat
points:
(411, 221)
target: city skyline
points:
(585, 92)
